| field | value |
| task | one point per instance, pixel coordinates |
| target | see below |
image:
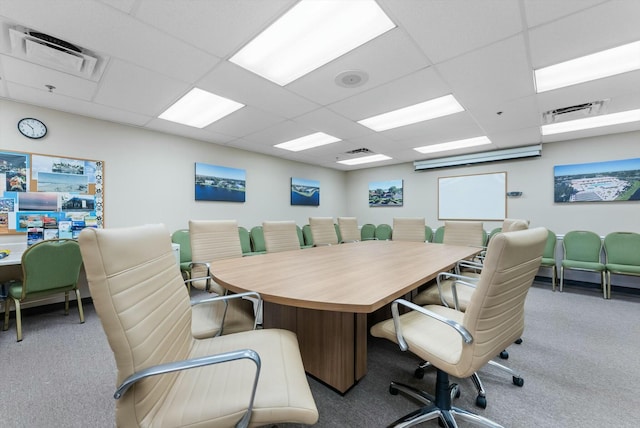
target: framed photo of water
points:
(219, 183)
(305, 192)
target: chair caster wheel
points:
(393, 391)
(454, 391)
(481, 401)
(504, 355)
(518, 381)
(518, 341)
(419, 373)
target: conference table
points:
(324, 294)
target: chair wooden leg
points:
(80, 310)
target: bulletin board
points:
(473, 197)
(48, 196)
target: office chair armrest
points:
(469, 264)
(228, 297)
(464, 333)
(465, 280)
(207, 277)
(193, 363)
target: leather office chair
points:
(459, 343)
(384, 232)
(213, 240)
(181, 237)
(622, 255)
(582, 250)
(280, 236)
(349, 229)
(323, 231)
(409, 229)
(48, 267)
(469, 233)
(166, 377)
(549, 258)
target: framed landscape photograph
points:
(385, 193)
(219, 183)
(609, 181)
(305, 192)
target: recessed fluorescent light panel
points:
(452, 145)
(311, 34)
(591, 122)
(427, 110)
(200, 108)
(364, 159)
(591, 67)
(307, 142)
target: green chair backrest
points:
(300, 236)
(622, 248)
(257, 239)
(438, 236)
(428, 234)
(367, 232)
(308, 237)
(493, 233)
(181, 237)
(245, 240)
(50, 266)
(582, 246)
(337, 227)
(383, 232)
(550, 247)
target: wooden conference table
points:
(325, 293)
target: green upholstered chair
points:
(257, 240)
(428, 234)
(582, 250)
(384, 232)
(622, 255)
(549, 258)
(245, 242)
(48, 267)
(301, 238)
(338, 232)
(438, 235)
(181, 237)
(308, 236)
(367, 232)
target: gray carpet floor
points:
(579, 360)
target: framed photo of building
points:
(609, 181)
(386, 193)
(219, 183)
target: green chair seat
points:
(579, 265)
(622, 254)
(623, 269)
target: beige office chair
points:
(459, 343)
(323, 231)
(468, 233)
(409, 229)
(166, 377)
(213, 240)
(349, 229)
(280, 236)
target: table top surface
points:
(356, 277)
(15, 257)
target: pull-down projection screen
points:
(473, 197)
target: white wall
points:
(149, 176)
(533, 177)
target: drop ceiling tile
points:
(137, 89)
(380, 59)
(585, 32)
(446, 29)
(329, 122)
(246, 121)
(539, 12)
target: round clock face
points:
(32, 128)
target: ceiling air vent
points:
(579, 111)
(52, 52)
(359, 151)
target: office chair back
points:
(622, 248)
(409, 229)
(582, 246)
(323, 231)
(513, 224)
(367, 232)
(212, 240)
(308, 236)
(469, 233)
(181, 237)
(349, 231)
(384, 232)
(280, 236)
(495, 314)
(438, 235)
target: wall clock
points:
(32, 128)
